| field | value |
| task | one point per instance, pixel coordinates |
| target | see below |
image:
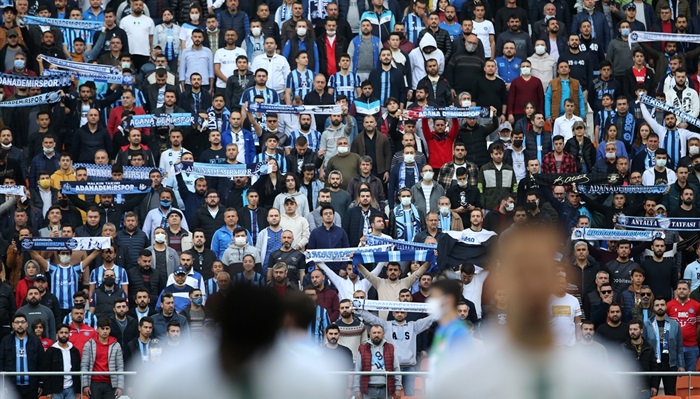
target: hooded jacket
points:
(418, 56)
(115, 361)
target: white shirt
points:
(565, 127)
(518, 163)
(649, 177)
(169, 157)
(563, 312)
(473, 290)
(483, 30)
(277, 69)
(227, 61)
(138, 29)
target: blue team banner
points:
(113, 187)
(645, 223)
(104, 172)
(596, 189)
(41, 99)
(63, 23)
(117, 78)
(33, 81)
(645, 99)
(398, 244)
(163, 120)
(63, 244)
(223, 169)
(587, 234)
(423, 255)
(80, 66)
(450, 112)
(296, 109)
(340, 254)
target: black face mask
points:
(697, 167)
(517, 143)
(531, 206)
(63, 202)
(109, 281)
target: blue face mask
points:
(625, 32)
(19, 63)
(660, 216)
(197, 301)
(165, 204)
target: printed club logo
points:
(27, 244)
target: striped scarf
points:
(407, 223)
(402, 174)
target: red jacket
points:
(328, 299)
(440, 147)
(568, 163)
(366, 358)
(115, 119)
(79, 337)
(21, 290)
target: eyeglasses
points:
(606, 292)
(645, 294)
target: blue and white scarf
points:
(218, 122)
(421, 255)
(222, 169)
(628, 126)
(62, 244)
(402, 174)
(601, 189)
(641, 37)
(13, 190)
(63, 23)
(645, 223)
(296, 109)
(80, 66)
(450, 112)
(163, 120)
(114, 187)
(398, 244)
(33, 81)
(407, 223)
(645, 99)
(471, 237)
(588, 234)
(340, 254)
(117, 78)
(659, 344)
(41, 99)
(445, 221)
(105, 171)
(390, 306)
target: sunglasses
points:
(645, 294)
(606, 292)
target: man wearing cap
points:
(35, 310)
(502, 135)
(179, 238)
(9, 24)
(297, 224)
(10, 48)
(630, 11)
(179, 288)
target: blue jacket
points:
(508, 70)
(302, 46)
(223, 237)
(356, 45)
(250, 47)
(675, 340)
(239, 22)
(322, 238)
(382, 24)
(600, 27)
(249, 139)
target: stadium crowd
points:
(561, 85)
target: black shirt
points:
(661, 277)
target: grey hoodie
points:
(401, 335)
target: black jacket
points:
(53, 361)
(629, 83)
(587, 156)
(354, 222)
(341, 47)
(8, 306)
(475, 140)
(131, 330)
(113, 213)
(204, 221)
(645, 361)
(186, 101)
(531, 144)
(157, 284)
(235, 86)
(151, 94)
(35, 357)
(309, 157)
(442, 95)
(245, 219)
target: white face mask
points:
(510, 206)
(6, 146)
(525, 71)
(462, 183)
(330, 33)
(194, 17)
(343, 150)
(240, 241)
(256, 31)
(160, 238)
(64, 259)
(435, 307)
(47, 150)
(466, 103)
(409, 158)
(539, 50)
(445, 210)
(405, 201)
(693, 149)
(301, 31)
(610, 155)
(428, 176)
(661, 163)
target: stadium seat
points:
(686, 385)
(667, 397)
(693, 397)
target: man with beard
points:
(664, 334)
(124, 327)
(593, 348)
(388, 288)
(387, 359)
(621, 267)
(22, 351)
(523, 44)
(269, 239)
(358, 220)
(661, 272)
(353, 331)
(62, 356)
(614, 331)
(138, 28)
(451, 24)
(685, 310)
(578, 61)
(35, 310)
(335, 349)
(293, 258)
(639, 348)
(279, 280)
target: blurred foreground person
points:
(523, 362)
(240, 362)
